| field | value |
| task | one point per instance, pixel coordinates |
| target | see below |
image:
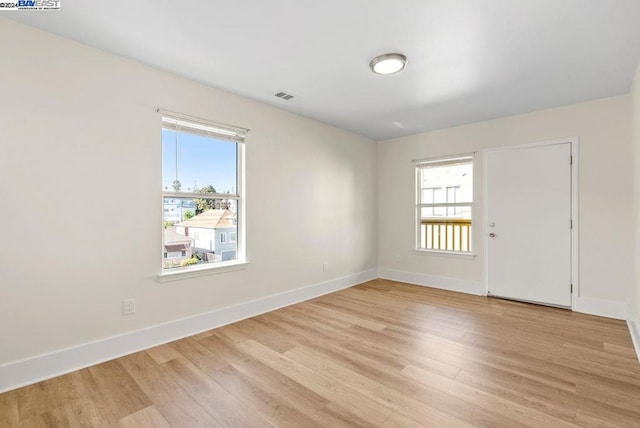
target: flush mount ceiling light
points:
(388, 63)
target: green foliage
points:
(205, 204)
(188, 215)
(189, 262)
(206, 190)
(168, 224)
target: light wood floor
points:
(379, 354)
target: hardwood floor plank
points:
(83, 413)
(622, 351)
(9, 414)
(374, 390)
(202, 335)
(167, 396)
(507, 408)
(218, 402)
(345, 317)
(397, 420)
(289, 391)
(163, 353)
(594, 413)
(265, 402)
(277, 398)
(615, 393)
(147, 417)
(207, 359)
(117, 392)
(337, 392)
(258, 329)
(560, 405)
(45, 420)
(43, 397)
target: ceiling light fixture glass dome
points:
(388, 63)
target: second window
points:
(444, 204)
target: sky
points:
(201, 161)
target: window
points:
(233, 237)
(444, 205)
(202, 190)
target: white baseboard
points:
(634, 329)
(35, 369)
(442, 282)
(602, 308)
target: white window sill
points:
(442, 253)
(202, 270)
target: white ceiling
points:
(469, 60)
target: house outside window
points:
(202, 191)
(444, 205)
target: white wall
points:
(78, 129)
(606, 246)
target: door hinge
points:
(571, 223)
(571, 160)
(571, 288)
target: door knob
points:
(492, 235)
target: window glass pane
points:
(461, 212)
(453, 193)
(457, 176)
(178, 209)
(439, 196)
(197, 163)
(427, 196)
(194, 231)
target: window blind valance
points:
(461, 158)
(177, 122)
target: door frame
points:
(575, 231)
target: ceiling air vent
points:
(283, 95)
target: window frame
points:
(234, 135)
(419, 205)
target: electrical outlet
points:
(128, 306)
(325, 266)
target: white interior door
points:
(529, 224)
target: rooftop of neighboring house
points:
(171, 237)
(212, 219)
